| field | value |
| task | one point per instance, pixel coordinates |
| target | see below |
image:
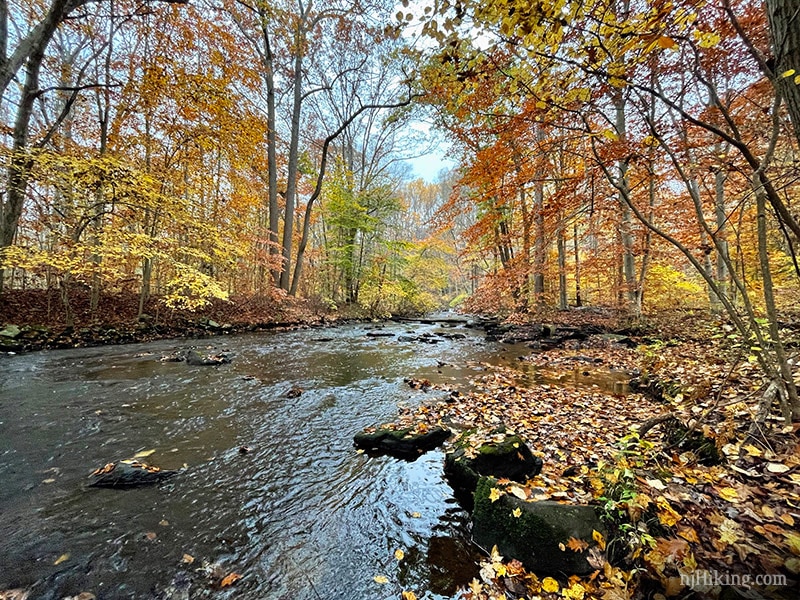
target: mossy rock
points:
(401, 443)
(509, 457)
(537, 535)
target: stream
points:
(302, 515)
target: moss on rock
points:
(537, 535)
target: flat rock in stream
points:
(502, 454)
(128, 474)
(401, 443)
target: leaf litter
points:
(682, 516)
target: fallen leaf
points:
(415, 515)
(688, 534)
(577, 545)
(550, 585)
(381, 579)
(666, 514)
(408, 595)
(792, 565)
(229, 579)
(49, 480)
(517, 512)
(164, 523)
(729, 532)
(144, 453)
(598, 537)
(151, 535)
(399, 554)
(518, 492)
(787, 518)
(494, 495)
(728, 494)
(63, 558)
(187, 559)
(777, 467)
(794, 541)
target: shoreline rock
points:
(406, 443)
(547, 537)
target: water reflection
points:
(301, 516)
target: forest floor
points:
(722, 511)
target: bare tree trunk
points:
(562, 269)
(292, 164)
(19, 167)
(784, 25)
(539, 242)
(772, 313)
(578, 298)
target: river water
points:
(300, 516)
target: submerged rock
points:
(503, 455)
(547, 537)
(408, 443)
(127, 474)
(193, 357)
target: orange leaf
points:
(577, 545)
(229, 579)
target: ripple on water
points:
(302, 515)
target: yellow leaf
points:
(187, 559)
(229, 580)
(399, 554)
(475, 586)
(788, 73)
(666, 513)
(63, 558)
(753, 450)
(495, 555)
(494, 494)
(767, 512)
(499, 568)
(517, 512)
(144, 453)
(787, 518)
(728, 494)
(415, 515)
(729, 532)
(797, 79)
(689, 562)
(794, 541)
(598, 537)
(550, 585)
(380, 579)
(408, 595)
